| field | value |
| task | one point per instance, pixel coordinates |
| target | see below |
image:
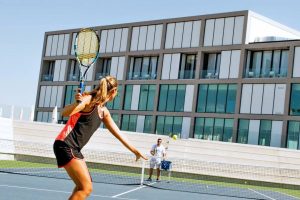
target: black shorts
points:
(64, 154)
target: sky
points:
(24, 22)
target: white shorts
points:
(155, 162)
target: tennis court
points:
(28, 171)
(14, 186)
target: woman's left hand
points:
(140, 155)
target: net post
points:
(143, 172)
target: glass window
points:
(160, 124)
(221, 99)
(102, 68)
(128, 97)
(153, 66)
(167, 125)
(231, 98)
(73, 74)
(228, 130)
(145, 66)
(163, 97)
(243, 131)
(211, 65)
(202, 95)
(295, 103)
(115, 117)
(115, 103)
(187, 66)
(180, 97)
(142, 68)
(293, 135)
(132, 123)
(168, 128)
(129, 122)
(276, 62)
(147, 93)
(211, 98)
(208, 128)
(216, 98)
(265, 132)
(256, 64)
(218, 129)
(148, 124)
(171, 98)
(267, 64)
(70, 94)
(177, 126)
(137, 68)
(48, 71)
(284, 63)
(199, 128)
(143, 97)
(151, 97)
(125, 122)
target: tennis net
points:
(213, 178)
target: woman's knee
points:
(87, 188)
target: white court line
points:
(288, 195)
(58, 191)
(138, 188)
(261, 194)
(38, 172)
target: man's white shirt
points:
(159, 151)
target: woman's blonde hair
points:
(103, 90)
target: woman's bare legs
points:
(79, 173)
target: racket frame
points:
(80, 64)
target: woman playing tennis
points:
(85, 119)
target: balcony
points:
(186, 74)
(210, 74)
(270, 74)
(101, 75)
(47, 77)
(73, 77)
(140, 76)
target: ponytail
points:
(101, 92)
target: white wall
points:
(223, 31)
(260, 26)
(296, 64)
(183, 34)
(146, 38)
(57, 45)
(230, 62)
(117, 67)
(170, 67)
(113, 40)
(263, 99)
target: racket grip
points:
(80, 89)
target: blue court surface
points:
(14, 186)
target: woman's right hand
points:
(78, 96)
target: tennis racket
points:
(86, 49)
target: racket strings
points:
(87, 47)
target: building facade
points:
(232, 77)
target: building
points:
(232, 77)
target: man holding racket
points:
(158, 153)
(86, 115)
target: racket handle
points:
(80, 89)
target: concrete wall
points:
(188, 155)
